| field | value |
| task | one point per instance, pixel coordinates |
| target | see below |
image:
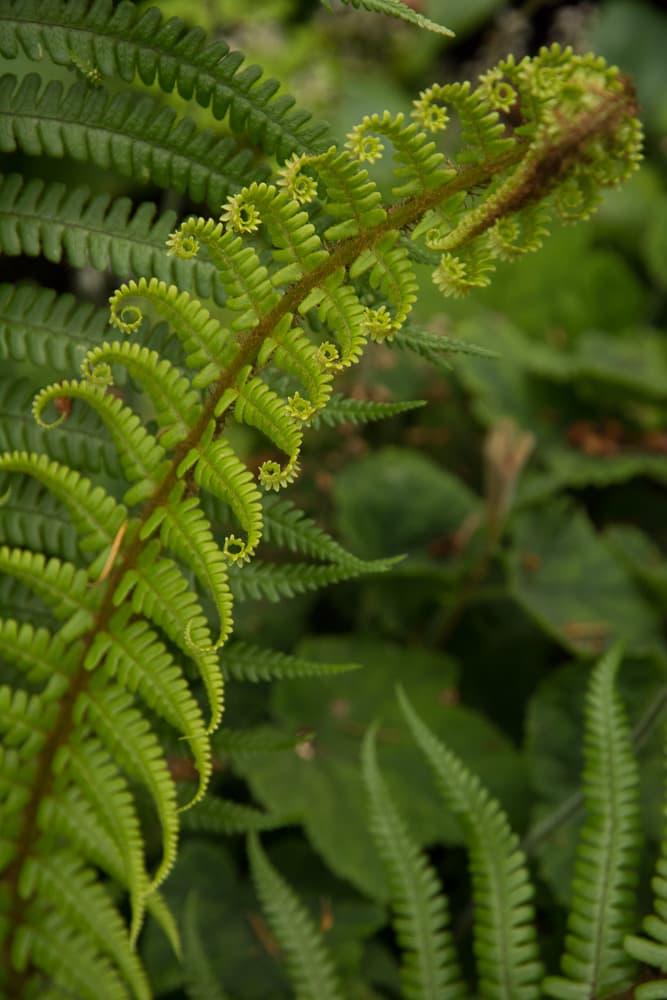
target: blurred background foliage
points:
(528, 498)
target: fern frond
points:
(419, 163)
(30, 518)
(292, 352)
(131, 653)
(396, 8)
(246, 662)
(651, 946)
(61, 585)
(86, 764)
(240, 271)
(338, 307)
(286, 525)
(311, 969)
(46, 329)
(506, 953)
(69, 960)
(138, 137)
(81, 441)
(429, 967)
(259, 406)
(63, 881)
(275, 581)
(134, 745)
(432, 346)
(223, 818)
(219, 470)
(142, 458)
(122, 42)
(351, 195)
(158, 590)
(95, 514)
(177, 405)
(606, 870)
(186, 532)
(205, 341)
(36, 652)
(345, 410)
(39, 218)
(201, 982)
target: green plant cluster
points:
(145, 533)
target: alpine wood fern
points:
(131, 574)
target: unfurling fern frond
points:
(309, 964)
(606, 872)
(429, 968)
(505, 946)
(136, 601)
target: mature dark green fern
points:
(159, 521)
(596, 962)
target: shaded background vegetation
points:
(528, 497)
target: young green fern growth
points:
(606, 873)
(291, 269)
(430, 968)
(505, 939)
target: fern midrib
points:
(537, 182)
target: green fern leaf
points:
(286, 525)
(139, 138)
(396, 8)
(245, 662)
(205, 341)
(61, 585)
(142, 458)
(505, 942)
(274, 582)
(224, 818)
(606, 871)
(651, 946)
(310, 967)
(30, 518)
(429, 969)
(432, 346)
(121, 41)
(96, 515)
(131, 742)
(81, 441)
(344, 410)
(220, 471)
(63, 881)
(201, 983)
(131, 654)
(37, 218)
(177, 405)
(48, 330)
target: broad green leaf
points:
(565, 576)
(396, 501)
(323, 784)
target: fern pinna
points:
(299, 272)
